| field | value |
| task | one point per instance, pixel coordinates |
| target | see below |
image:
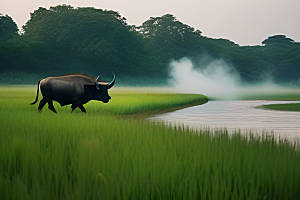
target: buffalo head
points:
(102, 87)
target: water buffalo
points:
(75, 89)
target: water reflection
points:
(238, 115)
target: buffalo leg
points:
(42, 104)
(79, 106)
(73, 107)
(51, 107)
(77, 103)
(82, 108)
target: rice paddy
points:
(105, 154)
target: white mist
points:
(216, 79)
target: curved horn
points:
(96, 82)
(112, 82)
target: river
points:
(235, 115)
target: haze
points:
(245, 22)
(219, 80)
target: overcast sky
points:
(245, 22)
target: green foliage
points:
(64, 39)
(283, 58)
(277, 40)
(108, 156)
(171, 38)
(31, 55)
(92, 35)
(8, 28)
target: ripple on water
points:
(238, 115)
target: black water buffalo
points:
(75, 89)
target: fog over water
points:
(217, 79)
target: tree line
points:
(64, 39)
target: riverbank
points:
(282, 107)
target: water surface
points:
(238, 115)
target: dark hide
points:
(75, 89)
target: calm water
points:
(238, 115)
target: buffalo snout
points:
(106, 100)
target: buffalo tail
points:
(37, 93)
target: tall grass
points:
(101, 156)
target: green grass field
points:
(106, 154)
(283, 107)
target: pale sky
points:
(245, 22)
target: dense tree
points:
(8, 28)
(171, 38)
(96, 36)
(63, 39)
(277, 39)
(281, 53)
